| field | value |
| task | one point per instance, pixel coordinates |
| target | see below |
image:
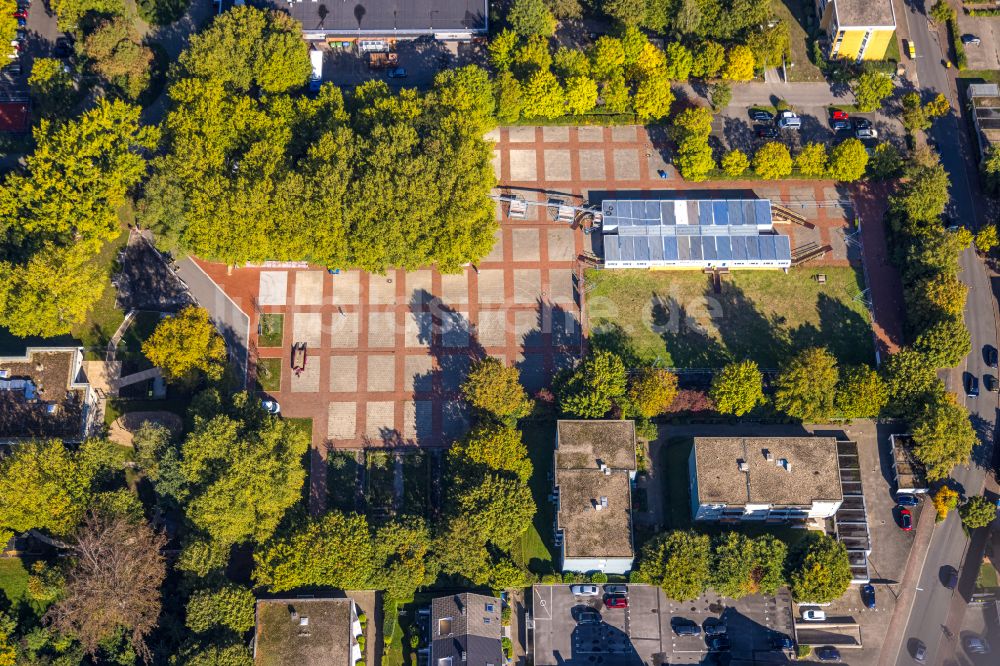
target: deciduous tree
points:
(113, 583)
(53, 92)
(117, 54)
(651, 390)
(720, 94)
(806, 385)
(186, 344)
(709, 59)
(861, 393)
(978, 511)
(848, 160)
(501, 49)
(510, 97)
(543, 96)
(738, 388)
(569, 62)
(679, 61)
(498, 508)
(495, 389)
(607, 57)
(871, 89)
(942, 435)
(811, 161)
(230, 606)
(740, 64)
(772, 161)
(581, 95)
(945, 499)
(914, 117)
(820, 569)
(909, 379)
(628, 12)
(742, 566)
(884, 162)
(495, 446)
(735, 163)
(945, 343)
(592, 389)
(679, 562)
(614, 92)
(653, 97)
(531, 17)
(987, 239)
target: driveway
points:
(984, 56)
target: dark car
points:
(586, 615)
(950, 577)
(714, 627)
(990, 382)
(920, 652)
(868, 595)
(976, 645)
(905, 520)
(970, 40)
(761, 116)
(990, 355)
(828, 653)
(683, 627)
(840, 125)
(768, 132)
(862, 123)
(971, 385)
(616, 601)
(616, 589)
(782, 642)
(63, 47)
(719, 643)
(907, 499)
(397, 73)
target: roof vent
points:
(743, 465)
(768, 456)
(601, 466)
(603, 504)
(784, 463)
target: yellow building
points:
(859, 29)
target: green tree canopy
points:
(186, 344)
(923, 196)
(679, 562)
(679, 61)
(709, 59)
(653, 96)
(244, 471)
(594, 387)
(651, 390)
(742, 566)
(909, 379)
(116, 54)
(531, 17)
(871, 89)
(53, 92)
(231, 606)
(772, 161)
(495, 388)
(495, 446)
(401, 552)
(945, 343)
(848, 160)
(861, 393)
(581, 95)
(499, 508)
(978, 511)
(735, 163)
(820, 569)
(740, 64)
(806, 386)
(811, 161)
(942, 435)
(738, 388)
(987, 238)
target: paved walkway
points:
(232, 322)
(796, 94)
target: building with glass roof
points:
(695, 233)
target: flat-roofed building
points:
(45, 393)
(910, 474)
(376, 20)
(984, 98)
(465, 630)
(307, 632)
(777, 479)
(858, 29)
(692, 234)
(594, 468)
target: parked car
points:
(714, 627)
(990, 382)
(862, 123)
(868, 595)
(814, 615)
(971, 385)
(911, 49)
(990, 355)
(905, 520)
(866, 134)
(616, 589)
(761, 116)
(976, 645)
(397, 73)
(21, 21)
(970, 40)
(684, 627)
(270, 406)
(782, 642)
(585, 590)
(907, 499)
(63, 47)
(586, 615)
(840, 125)
(788, 120)
(21, 12)
(767, 132)
(949, 577)
(718, 643)
(828, 653)
(839, 115)
(616, 601)
(920, 652)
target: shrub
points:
(414, 641)
(599, 577)
(161, 12)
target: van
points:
(788, 120)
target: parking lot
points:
(645, 631)
(983, 55)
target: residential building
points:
(595, 466)
(984, 100)
(909, 474)
(858, 29)
(775, 479)
(307, 632)
(381, 20)
(465, 630)
(692, 234)
(44, 393)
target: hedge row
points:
(961, 61)
(983, 12)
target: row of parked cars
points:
(989, 381)
(17, 44)
(840, 121)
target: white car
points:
(271, 406)
(814, 615)
(867, 133)
(585, 590)
(788, 120)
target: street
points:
(936, 615)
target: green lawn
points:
(675, 316)
(269, 374)
(379, 485)
(801, 20)
(342, 480)
(303, 424)
(416, 483)
(13, 579)
(272, 327)
(116, 407)
(535, 547)
(987, 579)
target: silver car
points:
(585, 590)
(616, 589)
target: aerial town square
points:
(513, 333)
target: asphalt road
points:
(930, 616)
